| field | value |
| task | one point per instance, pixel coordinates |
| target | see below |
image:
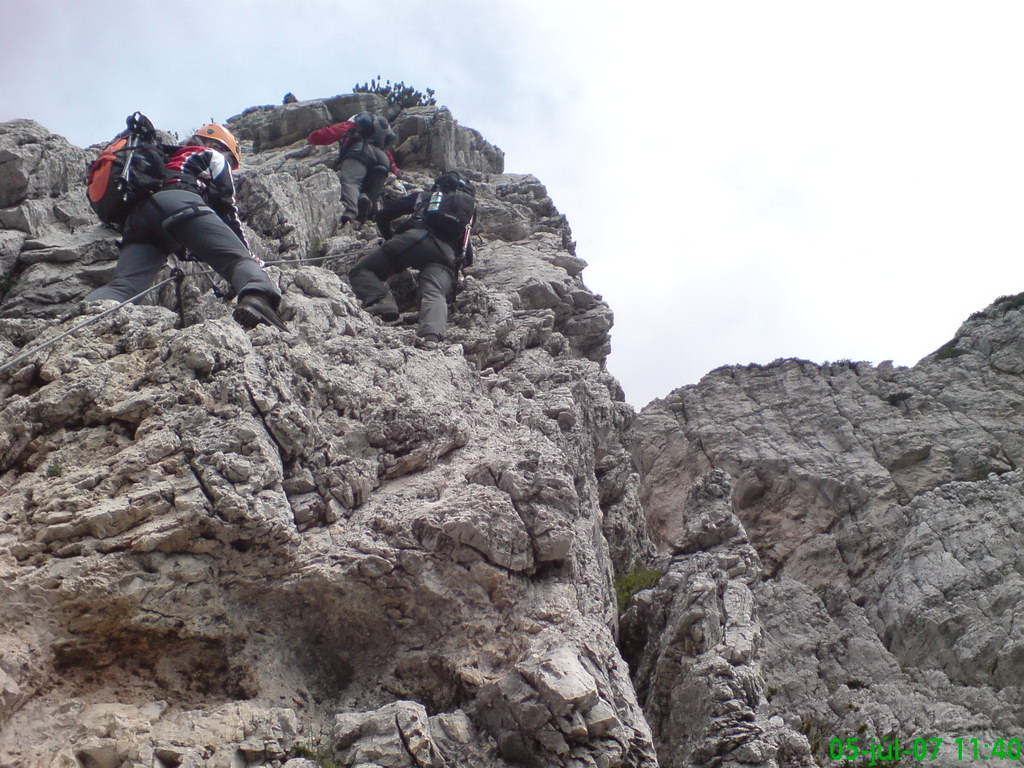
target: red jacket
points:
(339, 132)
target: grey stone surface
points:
(697, 645)
(35, 163)
(430, 137)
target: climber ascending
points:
(433, 239)
(364, 161)
(189, 202)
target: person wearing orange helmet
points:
(195, 209)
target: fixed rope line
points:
(85, 323)
(321, 259)
(177, 274)
(314, 260)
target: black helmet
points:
(364, 124)
(449, 181)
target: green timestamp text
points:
(886, 750)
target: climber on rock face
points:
(193, 207)
(434, 238)
(364, 161)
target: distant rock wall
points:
(885, 506)
(696, 642)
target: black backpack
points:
(129, 169)
(448, 209)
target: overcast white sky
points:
(748, 180)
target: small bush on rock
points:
(399, 94)
(629, 584)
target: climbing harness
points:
(186, 213)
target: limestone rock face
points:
(697, 642)
(884, 506)
(429, 136)
(45, 221)
(34, 163)
(334, 545)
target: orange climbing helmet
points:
(222, 136)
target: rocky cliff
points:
(844, 551)
(336, 546)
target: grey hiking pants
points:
(364, 168)
(418, 249)
(147, 245)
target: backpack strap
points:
(465, 236)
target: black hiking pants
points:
(147, 245)
(416, 249)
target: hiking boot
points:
(363, 206)
(428, 341)
(344, 221)
(255, 309)
(385, 308)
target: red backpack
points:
(129, 169)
